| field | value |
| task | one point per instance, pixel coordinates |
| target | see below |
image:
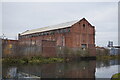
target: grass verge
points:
(107, 57)
(32, 60)
(116, 76)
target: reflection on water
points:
(106, 63)
(80, 69)
(105, 69)
(12, 72)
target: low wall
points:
(47, 49)
(20, 50)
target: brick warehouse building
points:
(9, 47)
(74, 34)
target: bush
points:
(116, 76)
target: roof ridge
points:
(51, 27)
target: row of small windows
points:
(47, 33)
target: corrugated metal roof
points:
(53, 27)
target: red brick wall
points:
(77, 36)
(9, 47)
(82, 35)
(48, 50)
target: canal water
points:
(77, 69)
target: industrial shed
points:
(74, 34)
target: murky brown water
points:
(80, 69)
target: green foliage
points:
(32, 60)
(66, 50)
(107, 57)
(76, 53)
(102, 52)
(116, 76)
(83, 53)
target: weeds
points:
(32, 60)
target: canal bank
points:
(39, 59)
(32, 60)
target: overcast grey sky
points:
(20, 16)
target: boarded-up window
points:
(77, 40)
(90, 38)
(83, 38)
